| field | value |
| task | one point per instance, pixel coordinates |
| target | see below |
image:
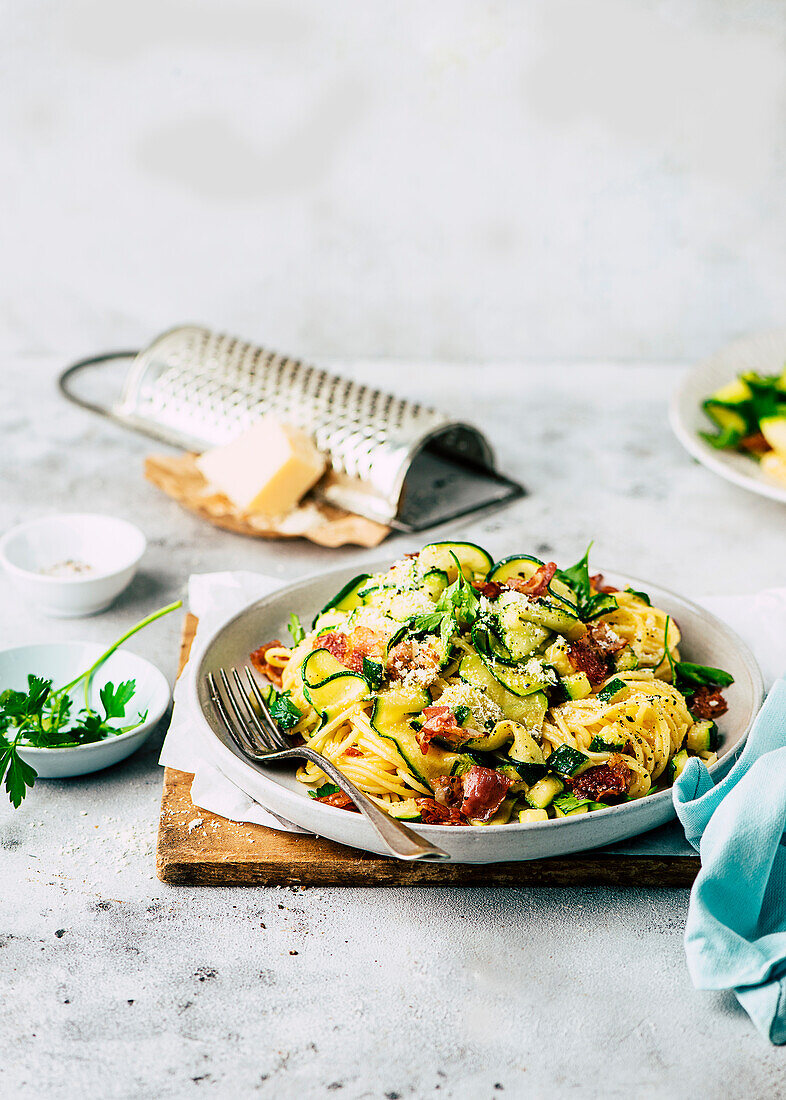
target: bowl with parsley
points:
(71, 708)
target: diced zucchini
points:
(613, 691)
(526, 566)
(529, 817)
(733, 393)
(347, 599)
(557, 656)
(725, 416)
(773, 428)
(702, 737)
(440, 555)
(600, 744)
(406, 810)
(577, 685)
(567, 761)
(678, 762)
(542, 794)
(626, 660)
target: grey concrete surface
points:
(457, 179)
(115, 985)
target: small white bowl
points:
(42, 558)
(61, 662)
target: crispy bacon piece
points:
(604, 638)
(484, 791)
(334, 642)
(440, 722)
(585, 656)
(433, 814)
(412, 654)
(605, 781)
(597, 583)
(350, 649)
(707, 702)
(340, 800)
(259, 662)
(352, 751)
(755, 444)
(449, 790)
(538, 582)
(489, 589)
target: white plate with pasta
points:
(510, 709)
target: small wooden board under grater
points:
(218, 852)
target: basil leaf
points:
(461, 714)
(641, 595)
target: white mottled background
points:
(523, 178)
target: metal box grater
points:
(393, 460)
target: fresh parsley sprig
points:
(41, 717)
(458, 607)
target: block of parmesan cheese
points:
(266, 470)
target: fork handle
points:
(401, 842)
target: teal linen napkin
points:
(735, 937)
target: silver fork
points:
(257, 735)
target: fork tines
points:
(244, 712)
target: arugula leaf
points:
(691, 675)
(721, 441)
(282, 710)
(324, 790)
(296, 629)
(373, 671)
(577, 577)
(687, 676)
(114, 701)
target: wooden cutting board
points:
(198, 848)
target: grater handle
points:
(64, 380)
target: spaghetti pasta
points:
(454, 690)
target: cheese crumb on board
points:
(266, 470)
